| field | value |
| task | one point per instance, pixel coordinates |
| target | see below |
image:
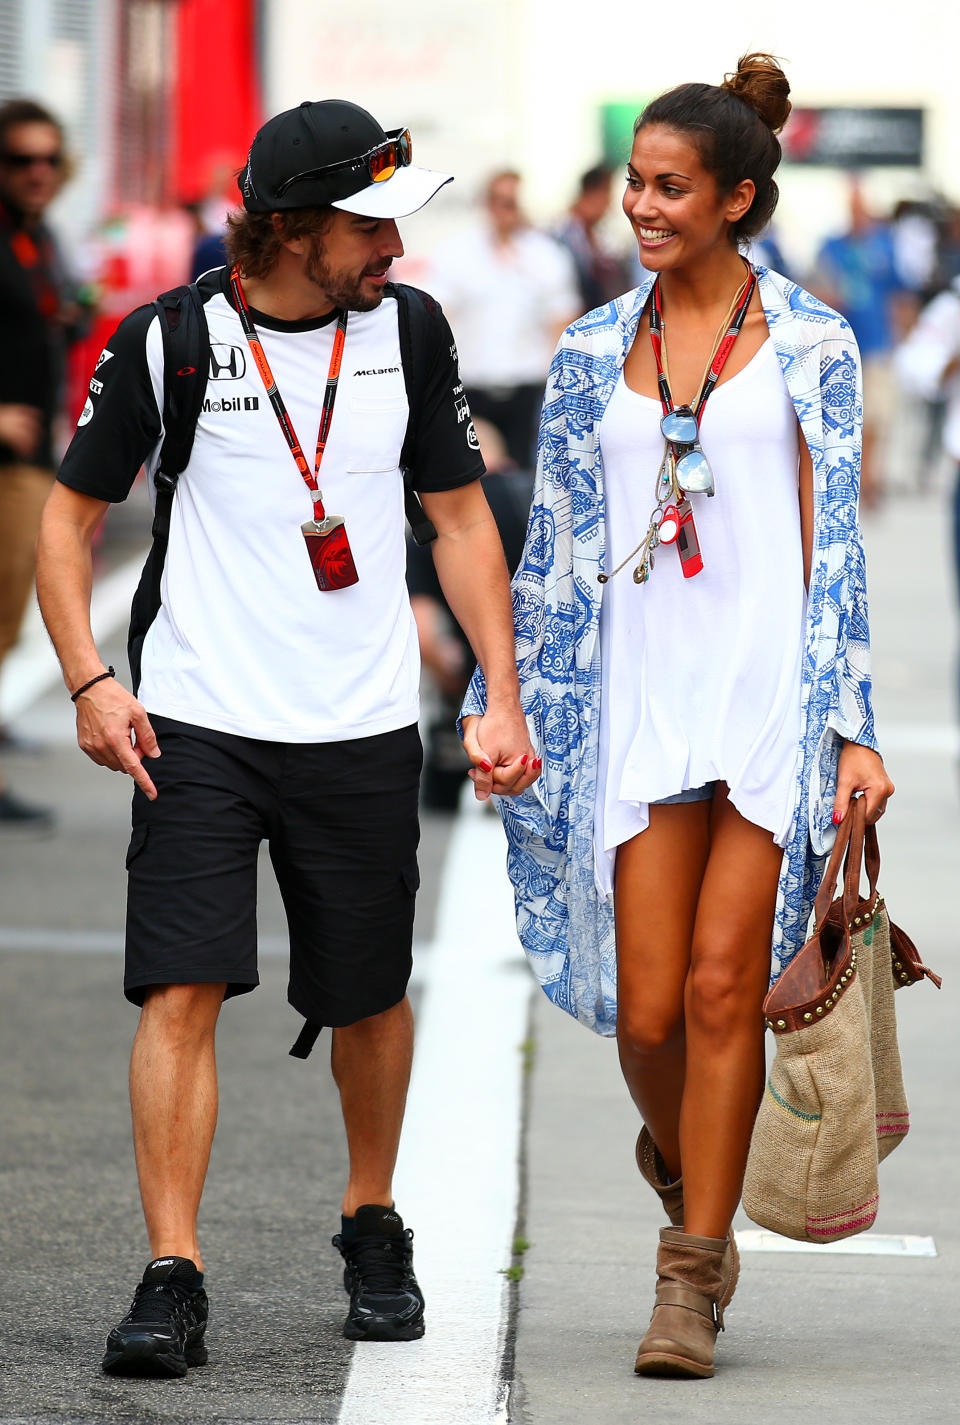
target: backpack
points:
(186, 360)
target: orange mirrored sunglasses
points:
(378, 163)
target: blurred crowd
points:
(508, 288)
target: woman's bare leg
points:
(658, 878)
(729, 973)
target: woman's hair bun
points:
(761, 83)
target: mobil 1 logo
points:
(231, 403)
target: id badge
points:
(329, 551)
(688, 545)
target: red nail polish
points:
(523, 760)
(487, 766)
(837, 818)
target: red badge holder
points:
(330, 554)
(688, 545)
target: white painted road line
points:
(865, 1244)
(457, 1180)
(32, 666)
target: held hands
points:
(504, 760)
(108, 719)
(861, 770)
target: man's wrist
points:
(503, 697)
(81, 670)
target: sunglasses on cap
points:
(378, 163)
(680, 428)
(28, 160)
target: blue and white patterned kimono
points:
(566, 929)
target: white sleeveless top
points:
(701, 676)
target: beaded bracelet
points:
(110, 673)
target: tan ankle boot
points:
(687, 1314)
(653, 1170)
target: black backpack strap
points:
(186, 362)
(414, 315)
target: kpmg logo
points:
(232, 403)
(227, 363)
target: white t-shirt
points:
(244, 641)
(701, 676)
(506, 302)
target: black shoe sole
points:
(141, 1358)
(384, 1330)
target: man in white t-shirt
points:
(509, 291)
(278, 678)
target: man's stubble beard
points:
(343, 291)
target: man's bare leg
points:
(173, 1095)
(371, 1065)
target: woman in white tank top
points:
(699, 767)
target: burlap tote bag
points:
(834, 1104)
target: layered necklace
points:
(684, 469)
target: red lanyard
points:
(310, 477)
(721, 352)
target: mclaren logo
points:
(227, 363)
(232, 403)
(378, 371)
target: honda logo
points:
(227, 363)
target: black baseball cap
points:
(288, 156)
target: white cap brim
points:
(397, 197)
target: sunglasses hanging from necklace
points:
(684, 469)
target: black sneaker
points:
(162, 1333)
(386, 1303)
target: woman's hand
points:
(861, 770)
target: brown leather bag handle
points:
(853, 838)
(828, 884)
(872, 857)
(853, 865)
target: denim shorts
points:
(690, 794)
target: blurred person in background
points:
(765, 249)
(948, 249)
(601, 274)
(445, 650)
(39, 317)
(209, 248)
(509, 291)
(856, 272)
(702, 726)
(928, 367)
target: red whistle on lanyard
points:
(688, 545)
